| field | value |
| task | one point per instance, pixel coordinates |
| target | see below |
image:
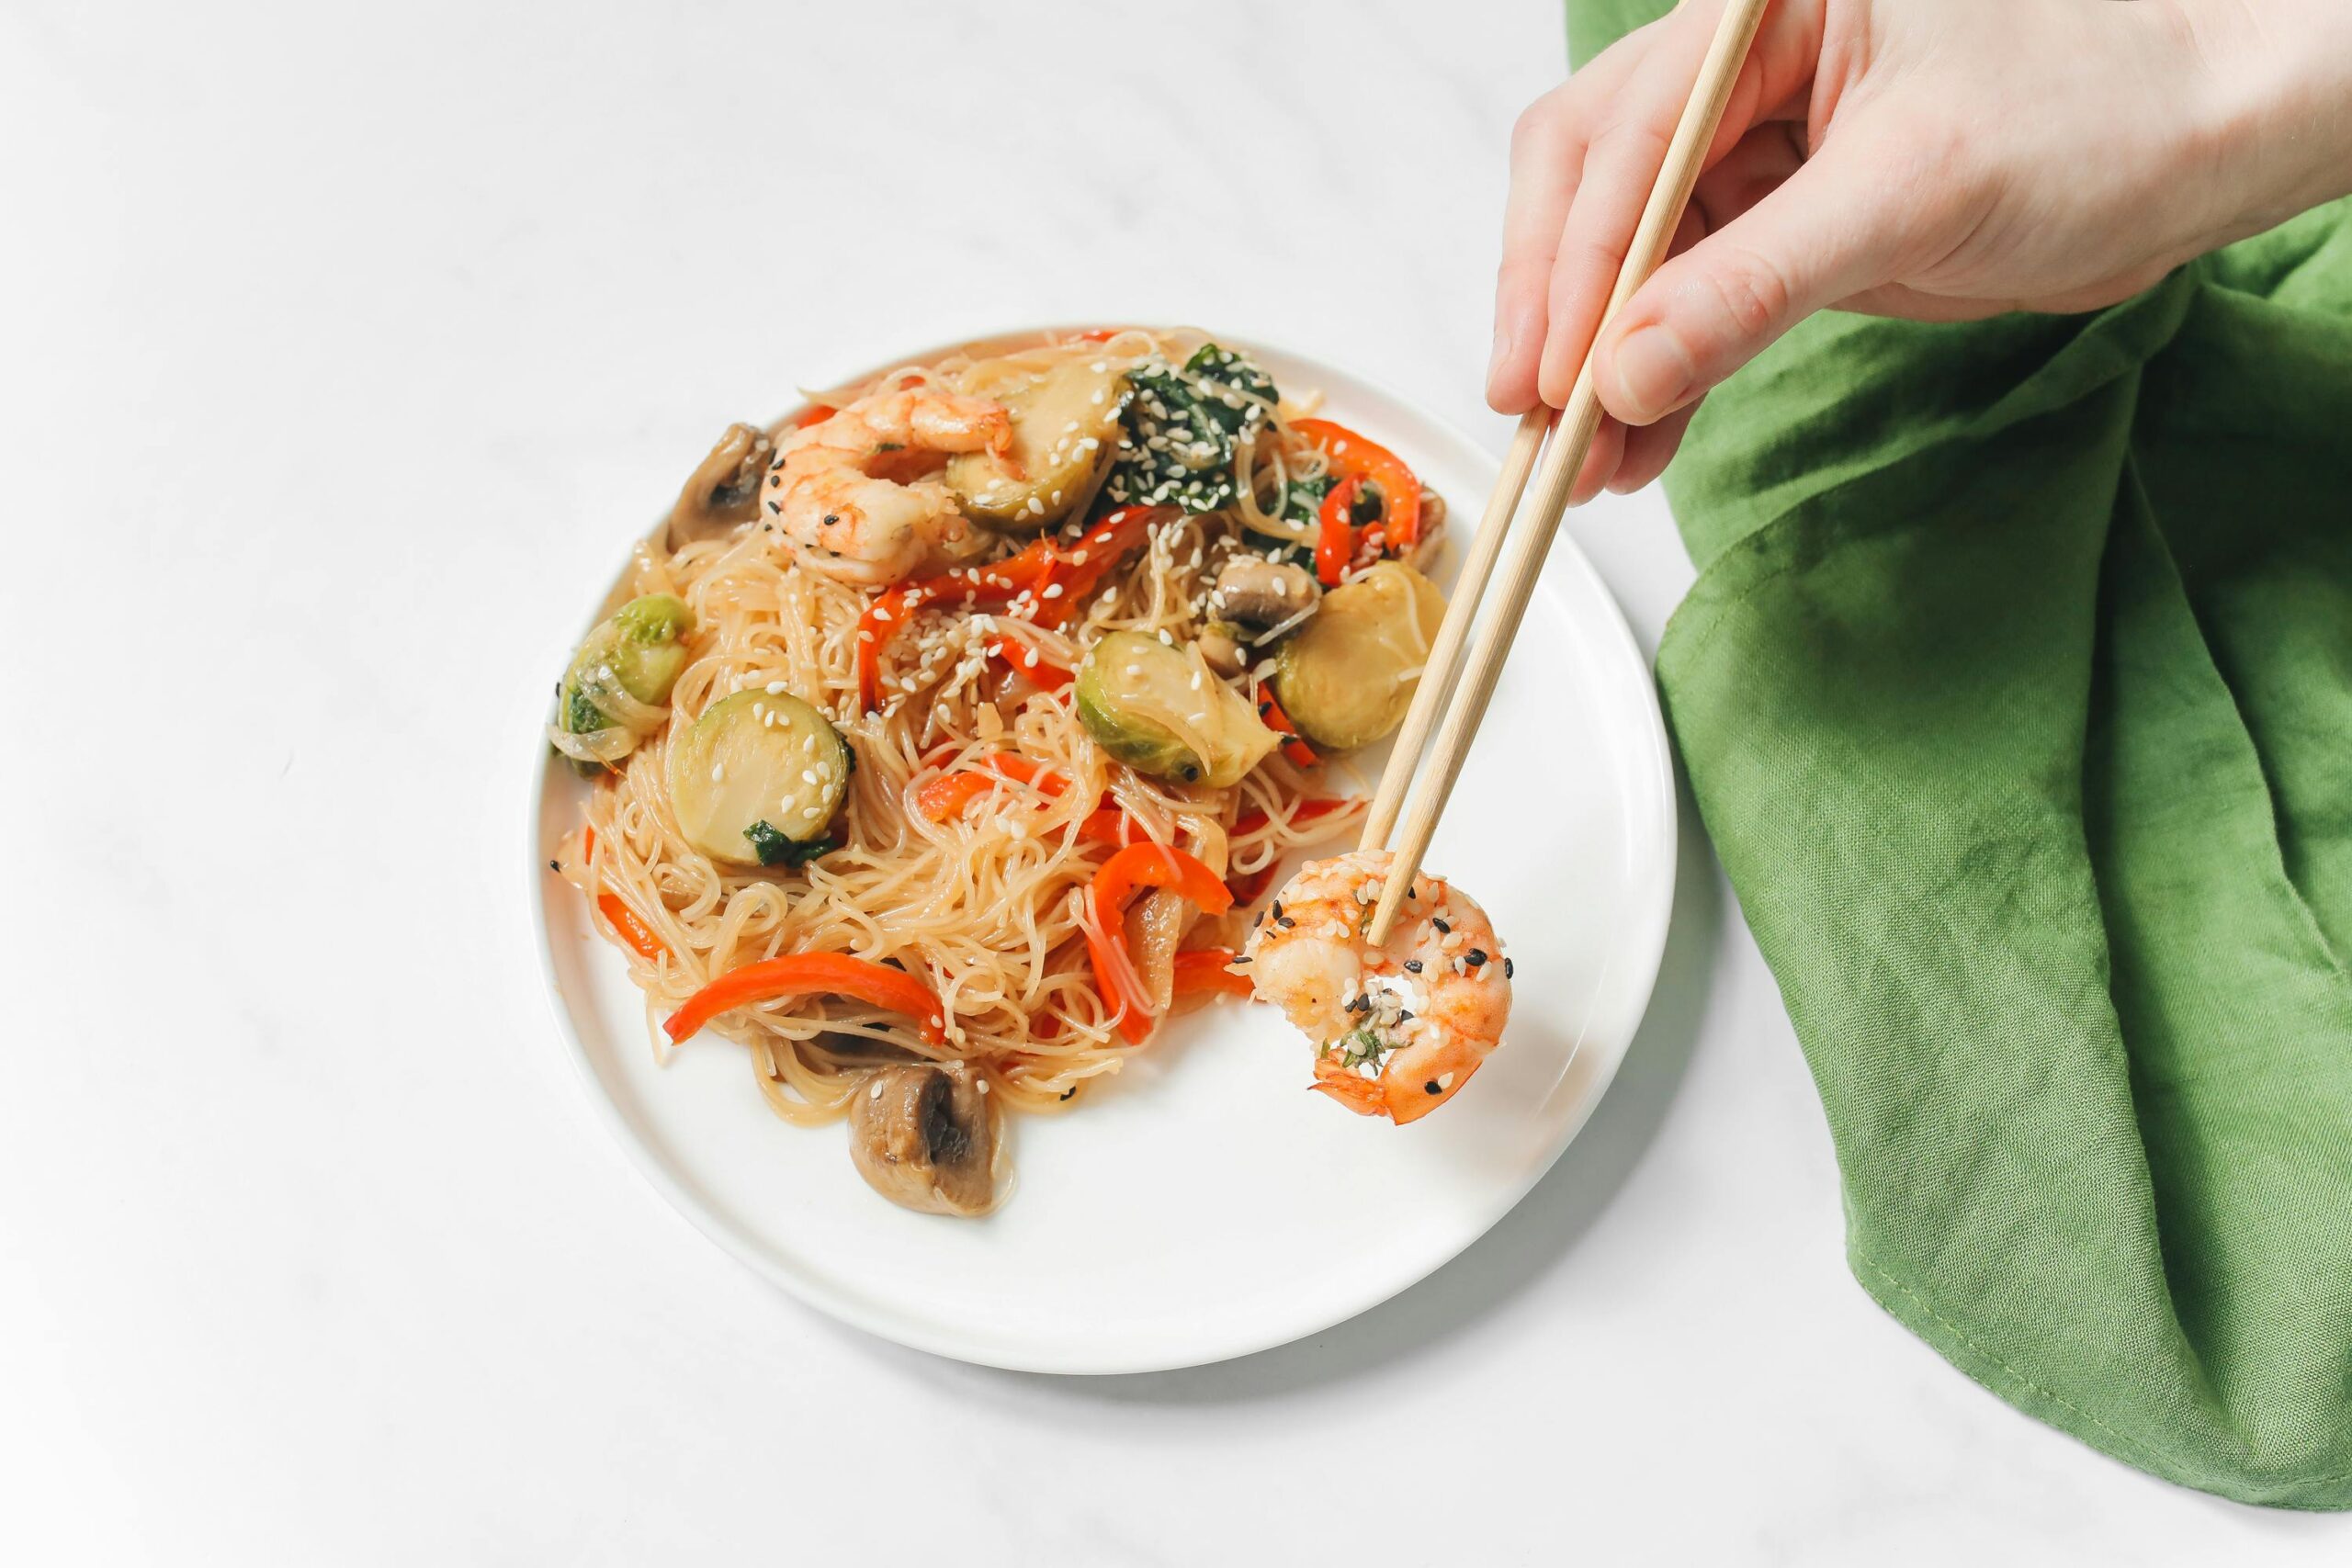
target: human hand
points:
(1939, 160)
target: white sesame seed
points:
(777, 688)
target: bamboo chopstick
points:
(1439, 669)
(1470, 684)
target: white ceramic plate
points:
(1202, 1205)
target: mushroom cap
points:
(924, 1136)
(724, 489)
(1258, 592)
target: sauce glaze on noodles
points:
(984, 908)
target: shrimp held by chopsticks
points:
(1401, 1025)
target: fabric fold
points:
(2016, 693)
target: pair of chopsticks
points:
(1461, 671)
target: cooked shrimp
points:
(843, 494)
(1399, 1026)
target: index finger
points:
(1547, 149)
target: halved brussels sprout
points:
(1347, 676)
(758, 779)
(617, 689)
(1160, 710)
(1065, 432)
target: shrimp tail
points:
(1365, 1097)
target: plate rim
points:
(854, 1311)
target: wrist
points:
(2267, 111)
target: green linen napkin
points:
(2015, 693)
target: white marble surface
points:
(340, 348)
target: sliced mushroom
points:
(861, 1051)
(1259, 593)
(924, 1137)
(724, 489)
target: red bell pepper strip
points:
(1111, 825)
(1206, 969)
(1334, 543)
(1353, 457)
(1296, 749)
(1140, 866)
(1042, 583)
(1018, 658)
(995, 586)
(802, 973)
(1028, 771)
(1078, 571)
(947, 794)
(1308, 810)
(634, 931)
(1158, 866)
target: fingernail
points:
(1654, 373)
(1503, 350)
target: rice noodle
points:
(989, 908)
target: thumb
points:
(1824, 234)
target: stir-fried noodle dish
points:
(949, 736)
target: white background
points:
(340, 349)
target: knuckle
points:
(1752, 292)
(1536, 124)
(1523, 273)
(1631, 140)
(1582, 260)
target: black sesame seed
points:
(1285, 921)
(1439, 923)
(1070, 1090)
(1412, 966)
(776, 507)
(1474, 957)
(1431, 1087)
(555, 865)
(1240, 961)
(832, 516)
(1507, 967)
